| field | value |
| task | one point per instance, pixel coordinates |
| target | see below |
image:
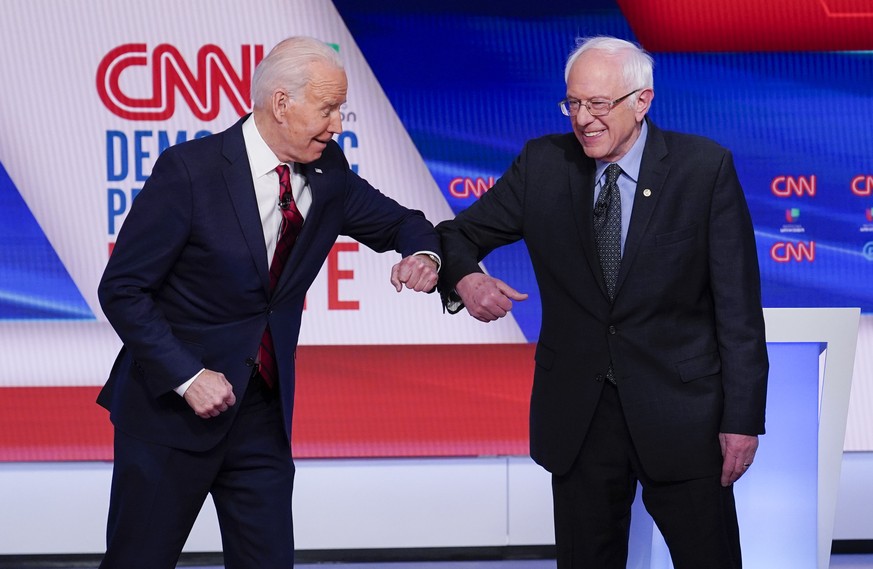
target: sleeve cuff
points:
(184, 387)
(433, 257)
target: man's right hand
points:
(485, 297)
(210, 394)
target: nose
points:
(583, 117)
(335, 126)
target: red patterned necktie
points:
(292, 222)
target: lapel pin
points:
(318, 170)
(647, 192)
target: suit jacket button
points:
(598, 378)
(250, 361)
(611, 329)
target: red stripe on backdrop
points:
(351, 401)
(750, 25)
(53, 424)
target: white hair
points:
(287, 67)
(637, 64)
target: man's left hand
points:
(418, 272)
(739, 454)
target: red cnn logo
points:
(466, 187)
(783, 252)
(786, 186)
(170, 74)
(862, 185)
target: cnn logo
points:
(787, 186)
(785, 252)
(166, 73)
(862, 186)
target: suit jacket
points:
(685, 332)
(187, 285)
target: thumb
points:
(510, 292)
(395, 277)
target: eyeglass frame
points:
(567, 111)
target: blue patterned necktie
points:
(607, 229)
(607, 234)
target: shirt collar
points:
(630, 162)
(262, 160)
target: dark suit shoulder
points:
(563, 141)
(687, 150)
(693, 143)
(550, 148)
(192, 149)
(204, 151)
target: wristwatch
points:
(433, 258)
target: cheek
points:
(312, 127)
(309, 132)
(294, 132)
(322, 124)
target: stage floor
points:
(841, 561)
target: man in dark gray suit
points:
(651, 365)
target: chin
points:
(592, 153)
(588, 147)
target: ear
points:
(280, 104)
(644, 102)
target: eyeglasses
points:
(596, 107)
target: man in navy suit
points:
(188, 290)
(651, 365)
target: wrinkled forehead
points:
(327, 83)
(596, 74)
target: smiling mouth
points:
(593, 134)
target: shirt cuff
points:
(452, 302)
(184, 387)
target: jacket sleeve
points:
(152, 237)
(736, 290)
(381, 223)
(494, 220)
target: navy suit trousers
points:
(158, 491)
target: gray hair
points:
(637, 64)
(286, 67)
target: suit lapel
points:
(238, 177)
(582, 192)
(653, 172)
